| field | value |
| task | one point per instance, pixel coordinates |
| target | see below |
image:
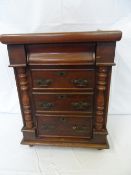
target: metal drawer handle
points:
(80, 82)
(48, 127)
(44, 82)
(80, 105)
(46, 105)
(80, 128)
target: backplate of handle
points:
(80, 82)
(46, 105)
(80, 128)
(80, 105)
(44, 82)
(48, 127)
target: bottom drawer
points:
(64, 126)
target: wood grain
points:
(63, 82)
(61, 37)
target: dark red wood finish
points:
(64, 126)
(67, 37)
(62, 78)
(63, 82)
(63, 101)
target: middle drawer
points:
(77, 101)
(62, 78)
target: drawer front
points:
(62, 78)
(63, 102)
(64, 126)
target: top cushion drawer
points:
(61, 54)
(62, 78)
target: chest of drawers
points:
(63, 82)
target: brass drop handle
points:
(80, 105)
(80, 82)
(44, 82)
(46, 105)
(80, 128)
(48, 127)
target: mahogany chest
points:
(63, 82)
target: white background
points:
(28, 16)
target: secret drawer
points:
(63, 102)
(62, 78)
(67, 126)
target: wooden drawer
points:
(63, 78)
(67, 126)
(63, 102)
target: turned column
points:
(100, 97)
(23, 87)
(17, 56)
(105, 52)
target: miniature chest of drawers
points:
(63, 82)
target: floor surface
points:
(16, 159)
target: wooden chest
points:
(63, 82)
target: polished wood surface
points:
(61, 37)
(63, 82)
(64, 126)
(61, 54)
(52, 102)
(62, 78)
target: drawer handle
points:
(48, 127)
(80, 105)
(80, 128)
(46, 105)
(80, 82)
(44, 82)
